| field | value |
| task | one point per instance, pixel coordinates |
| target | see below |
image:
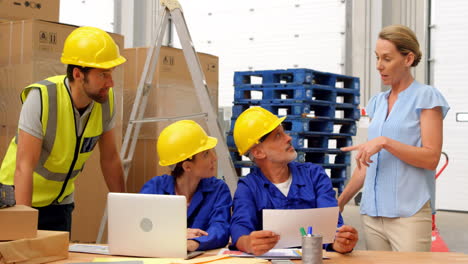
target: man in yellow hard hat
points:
(61, 120)
(277, 182)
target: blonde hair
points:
(404, 39)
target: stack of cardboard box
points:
(21, 242)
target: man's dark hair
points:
(70, 68)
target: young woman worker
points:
(186, 148)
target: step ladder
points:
(171, 9)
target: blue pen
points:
(309, 231)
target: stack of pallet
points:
(321, 108)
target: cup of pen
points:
(311, 248)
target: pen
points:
(303, 233)
(309, 231)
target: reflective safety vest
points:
(63, 152)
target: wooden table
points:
(356, 257)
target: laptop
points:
(148, 225)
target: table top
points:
(357, 256)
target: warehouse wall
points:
(367, 19)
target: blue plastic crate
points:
(347, 112)
(344, 127)
(332, 166)
(302, 109)
(338, 173)
(329, 126)
(346, 82)
(241, 167)
(238, 108)
(230, 140)
(347, 96)
(338, 184)
(285, 93)
(317, 143)
(235, 156)
(327, 144)
(314, 109)
(288, 109)
(291, 76)
(342, 141)
(296, 76)
(244, 164)
(307, 124)
(308, 140)
(324, 134)
(324, 158)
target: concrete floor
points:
(453, 227)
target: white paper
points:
(283, 253)
(287, 253)
(287, 223)
(89, 248)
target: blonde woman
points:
(397, 165)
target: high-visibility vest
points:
(63, 152)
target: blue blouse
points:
(393, 188)
(209, 210)
(310, 188)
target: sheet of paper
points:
(116, 262)
(278, 253)
(144, 260)
(234, 260)
(89, 248)
(223, 259)
(287, 222)
(202, 260)
(219, 259)
(272, 254)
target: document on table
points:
(122, 260)
(286, 223)
(287, 253)
(279, 253)
(218, 259)
(89, 248)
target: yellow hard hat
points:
(252, 125)
(181, 140)
(91, 47)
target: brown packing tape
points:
(46, 247)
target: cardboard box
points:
(38, 9)
(48, 246)
(26, 58)
(18, 222)
(174, 95)
(25, 41)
